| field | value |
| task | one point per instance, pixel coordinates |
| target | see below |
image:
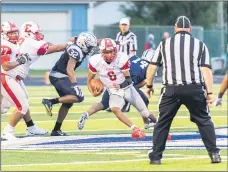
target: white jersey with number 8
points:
(110, 73)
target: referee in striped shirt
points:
(127, 43)
(127, 40)
(186, 75)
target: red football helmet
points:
(108, 49)
(9, 32)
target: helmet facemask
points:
(13, 36)
(9, 32)
(87, 42)
(109, 55)
(108, 49)
(39, 36)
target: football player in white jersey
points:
(11, 86)
(31, 44)
(113, 69)
(137, 71)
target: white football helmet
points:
(87, 42)
(9, 32)
(108, 49)
(31, 30)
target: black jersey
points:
(71, 51)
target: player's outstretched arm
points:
(60, 47)
(55, 48)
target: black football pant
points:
(193, 97)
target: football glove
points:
(78, 91)
(23, 58)
(218, 102)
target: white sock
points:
(87, 114)
(9, 128)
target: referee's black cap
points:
(183, 22)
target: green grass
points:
(40, 73)
(106, 123)
(185, 160)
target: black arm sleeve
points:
(127, 82)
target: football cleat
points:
(149, 125)
(82, 120)
(215, 157)
(8, 134)
(48, 105)
(169, 137)
(58, 133)
(138, 133)
(35, 130)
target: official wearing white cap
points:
(127, 39)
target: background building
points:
(62, 19)
(58, 19)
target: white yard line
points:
(126, 129)
(55, 112)
(110, 119)
(50, 96)
(224, 158)
(81, 105)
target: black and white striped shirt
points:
(128, 42)
(182, 56)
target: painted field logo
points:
(179, 140)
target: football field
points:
(105, 144)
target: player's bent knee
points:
(68, 105)
(115, 109)
(78, 99)
(24, 108)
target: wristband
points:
(127, 82)
(149, 86)
(133, 126)
(209, 93)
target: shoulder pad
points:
(75, 52)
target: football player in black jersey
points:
(62, 77)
